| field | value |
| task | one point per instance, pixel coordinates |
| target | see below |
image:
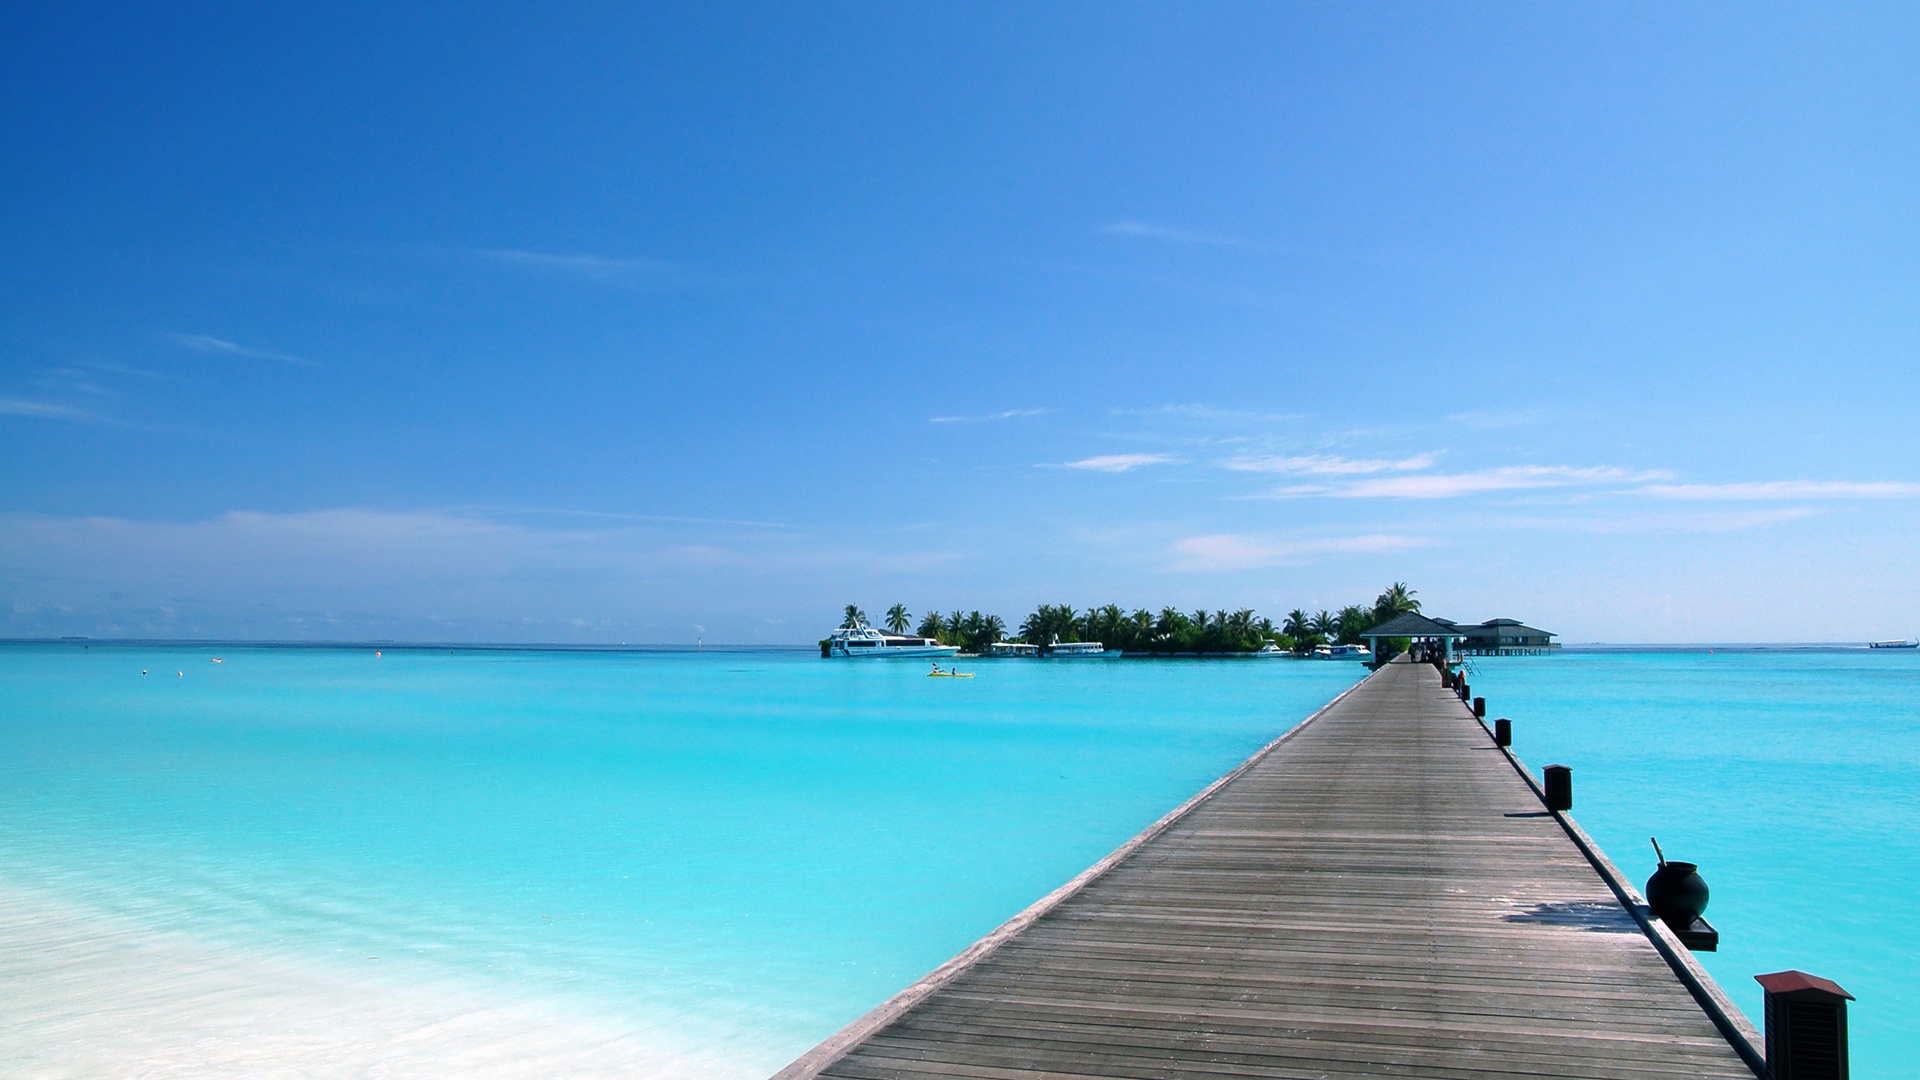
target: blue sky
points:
(622, 323)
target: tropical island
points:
(1171, 632)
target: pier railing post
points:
(1559, 788)
(1480, 708)
(1806, 1026)
(1503, 732)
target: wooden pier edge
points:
(1733, 1024)
(838, 1044)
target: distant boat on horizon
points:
(1901, 644)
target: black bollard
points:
(1503, 732)
(1480, 707)
(1806, 1026)
(1559, 788)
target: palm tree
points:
(1169, 622)
(971, 629)
(993, 629)
(1353, 620)
(897, 618)
(855, 618)
(930, 625)
(1298, 625)
(1323, 625)
(1396, 600)
(1050, 623)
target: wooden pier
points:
(1380, 891)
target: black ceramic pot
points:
(1677, 894)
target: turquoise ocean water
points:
(728, 854)
(699, 865)
(1791, 777)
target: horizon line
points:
(700, 646)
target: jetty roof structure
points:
(1380, 891)
(1414, 625)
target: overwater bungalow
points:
(1430, 635)
(1506, 637)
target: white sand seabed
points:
(90, 995)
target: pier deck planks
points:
(1379, 895)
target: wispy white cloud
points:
(1172, 236)
(1500, 418)
(1209, 413)
(1236, 551)
(113, 368)
(1142, 230)
(1009, 414)
(1118, 463)
(606, 270)
(472, 574)
(1455, 485)
(207, 344)
(578, 262)
(1784, 490)
(1329, 465)
(536, 512)
(1680, 521)
(1502, 478)
(75, 380)
(48, 410)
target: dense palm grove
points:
(1168, 632)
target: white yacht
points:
(1076, 648)
(1342, 652)
(1270, 649)
(865, 641)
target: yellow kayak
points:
(949, 674)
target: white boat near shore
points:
(1076, 648)
(1342, 652)
(1012, 648)
(868, 643)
